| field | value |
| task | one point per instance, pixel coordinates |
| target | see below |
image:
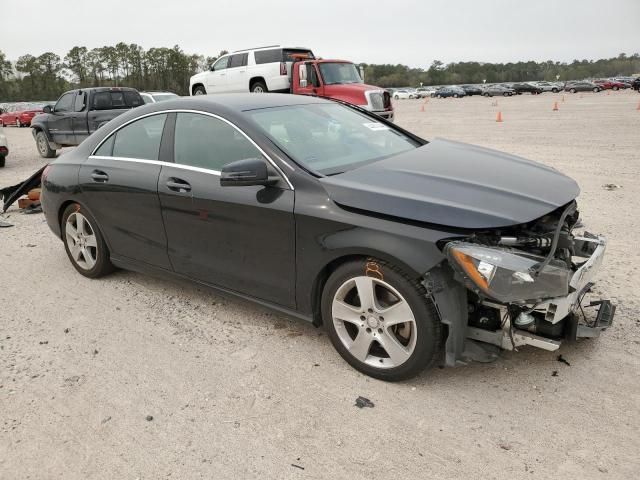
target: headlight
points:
(505, 275)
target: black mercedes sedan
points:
(409, 253)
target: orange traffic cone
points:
(499, 117)
(555, 107)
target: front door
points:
(59, 122)
(237, 238)
(217, 77)
(120, 187)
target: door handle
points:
(178, 185)
(99, 176)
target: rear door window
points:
(238, 60)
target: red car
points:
(610, 84)
(19, 115)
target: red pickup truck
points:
(339, 79)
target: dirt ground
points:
(237, 391)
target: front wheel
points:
(380, 320)
(596, 90)
(199, 90)
(44, 149)
(554, 90)
(18, 123)
(615, 89)
(84, 243)
(573, 90)
(396, 97)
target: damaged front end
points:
(522, 285)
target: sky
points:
(413, 33)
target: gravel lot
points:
(236, 391)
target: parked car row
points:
(518, 88)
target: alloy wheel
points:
(81, 240)
(374, 322)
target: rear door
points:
(60, 123)
(119, 185)
(238, 238)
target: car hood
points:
(455, 185)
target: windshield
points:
(329, 138)
(163, 97)
(339, 73)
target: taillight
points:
(283, 68)
(45, 172)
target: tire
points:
(615, 89)
(414, 344)
(573, 90)
(85, 248)
(486, 95)
(199, 90)
(18, 123)
(2, 160)
(396, 97)
(259, 87)
(455, 95)
(596, 89)
(438, 96)
(42, 144)
(554, 90)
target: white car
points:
(4, 148)
(258, 70)
(155, 97)
(403, 94)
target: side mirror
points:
(247, 172)
(302, 75)
(47, 109)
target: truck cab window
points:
(65, 104)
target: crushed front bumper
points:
(591, 248)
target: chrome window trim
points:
(188, 167)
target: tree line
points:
(46, 76)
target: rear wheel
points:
(573, 90)
(380, 320)
(596, 89)
(554, 90)
(84, 243)
(18, 123)
(486, 95)
(259, 87)
(44, 149)
(615, 89)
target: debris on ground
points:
(505, 446)
(14, 192)
(5, 224)
(297, 466)
(362, 402)
(561, 359)
(611, 186)
(149, 418)
(554, 373)
(105, 420)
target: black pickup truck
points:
(79, 113)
